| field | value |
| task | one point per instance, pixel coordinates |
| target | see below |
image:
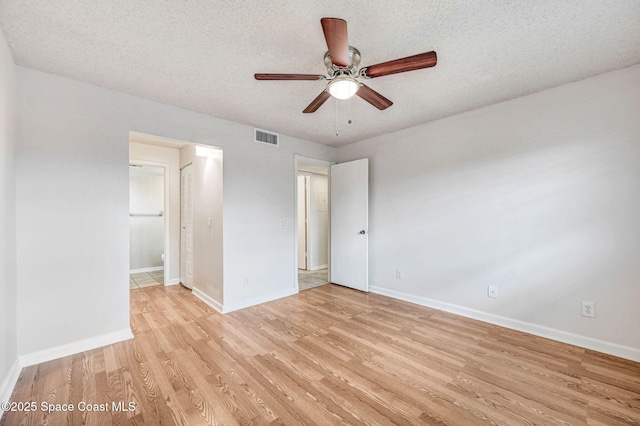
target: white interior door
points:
(349, 184)
(186, 226)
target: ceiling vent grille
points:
(263, 136)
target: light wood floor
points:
(329, 355)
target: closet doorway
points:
(312, 205)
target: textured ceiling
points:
(202, 54)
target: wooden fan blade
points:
(373, 97)
(410, 63)
(335, 33)
(288, 77)
(317, 102)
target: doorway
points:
(344, 205)
(146, 225)
(312, 243)
(204, 164)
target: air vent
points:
(263, 136)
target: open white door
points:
(186, 226)
(349, 224)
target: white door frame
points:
(167, 211)
(301, 159)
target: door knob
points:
(362, 232)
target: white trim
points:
(610, 348)
(173, 281)
(230, 307)
(75, 347)
(149, 269)
(225, 309)
(303, 159)
(318, 267)
(9, 382)
(207, 299)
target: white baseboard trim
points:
(173, 281)
(318, 267)
(75, 347)
(230, 307)
(614, 349)
(226, 308)
(207, 299)
(9, 382)
(149, 269)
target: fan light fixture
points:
(342, 62)
(343, 87)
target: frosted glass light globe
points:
(343, 88)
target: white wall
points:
(72, 214)
(539, 195)
(147, 216)
(8, 120)
(72, 178)
(170, 158)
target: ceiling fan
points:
(342, 63)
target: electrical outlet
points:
(589, 309)
(398, 274)
(246, 282)
(492, 291)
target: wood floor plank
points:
(327, 356)
(546, 404)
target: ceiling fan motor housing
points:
(352, 70)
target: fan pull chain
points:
(349, 121)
